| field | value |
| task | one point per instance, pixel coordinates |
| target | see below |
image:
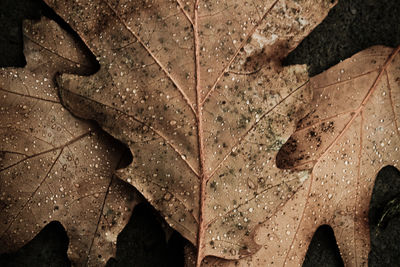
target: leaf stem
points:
(203, 175)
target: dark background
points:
(350, 27)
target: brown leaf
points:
(352, 132)
(197, 92)
(54, 166)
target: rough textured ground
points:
(351, 26)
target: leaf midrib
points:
(198, 106)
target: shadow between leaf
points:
(48, 248)
(384, 219)
(144, 242)
(323, 250)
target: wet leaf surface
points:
(54, 166)
(350, 134)
(293, 163)
(197, 92)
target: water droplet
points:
(250, 183)
(167, 196)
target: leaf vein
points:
(186, 98)
(237, 51)
(242, 138)
(32, 195)
(144, 124)
(392, 104)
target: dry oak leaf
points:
(196, 90)
(352, 132)
(54, 166)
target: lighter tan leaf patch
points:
(350, 134)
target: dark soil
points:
(351, 26)
(323, 251)
(48, 248)
(384, 219)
